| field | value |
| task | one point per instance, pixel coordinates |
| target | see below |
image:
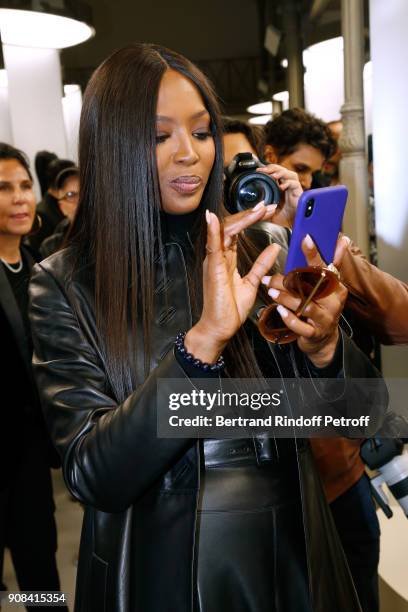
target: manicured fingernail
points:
(259, 206)
(265, 280)
(282, 311)
(274, 293)
(309, 242)
(207, 216)
(271, 207)
(347, 239)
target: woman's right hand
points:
(228, 297)
(319, 333)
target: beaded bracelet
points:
(201, 365)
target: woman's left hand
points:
(318, 335)
(227, 296)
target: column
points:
(293, 46)
(353, 165)
(5, 125)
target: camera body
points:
(244, 187)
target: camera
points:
(244, 187)
(386, 455)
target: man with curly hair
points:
(300, 142)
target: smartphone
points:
(319, 214)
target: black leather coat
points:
(141, 492)
(21, 417)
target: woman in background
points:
(67, 185)
(27, 524)
(48, 210)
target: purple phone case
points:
(323, 225)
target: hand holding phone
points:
(319, 214)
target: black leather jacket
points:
(140, 492)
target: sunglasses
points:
(309, 283)
(69, 196)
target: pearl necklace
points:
(14, 270)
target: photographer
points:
(240, 137)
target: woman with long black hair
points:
(176, 525)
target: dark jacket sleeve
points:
(110, 452)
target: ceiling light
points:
(325, 53)
(260, 119)
(266, 108)
(71, 89)
(281, 96)
(261, 108)
(43, 30)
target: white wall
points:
(35, 94)
(389, 51)
(324, 79)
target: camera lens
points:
(251, 193)
(244, 188)
(251, 189)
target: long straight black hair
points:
(117, 225)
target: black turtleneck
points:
(181, 228)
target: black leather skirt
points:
(251, 536)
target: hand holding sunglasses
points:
(307, 306)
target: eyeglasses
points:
(311, 282)
(69, 196)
